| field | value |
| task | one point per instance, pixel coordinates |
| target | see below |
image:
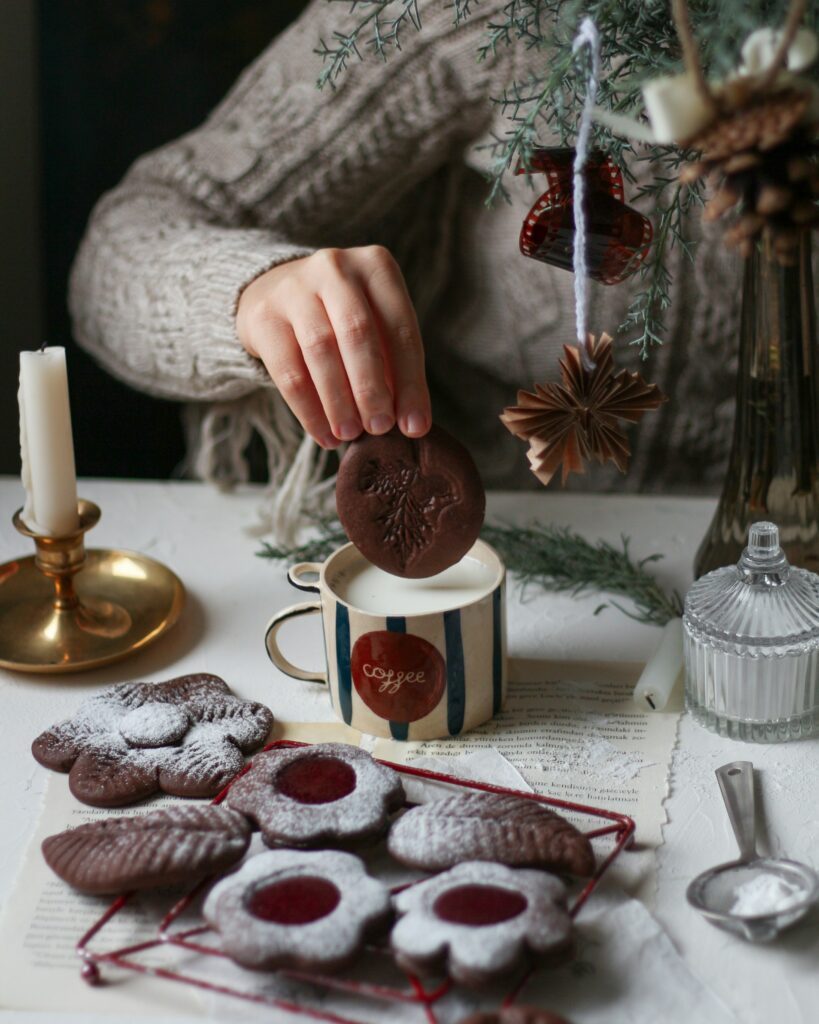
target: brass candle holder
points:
(67, 609)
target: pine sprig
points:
(382, 22)
(551, 557)
(555, 558)
(328, 536)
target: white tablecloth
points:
(201, 534)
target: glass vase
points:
(773, 469)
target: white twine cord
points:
(587, 36)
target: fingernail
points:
(349, 430)
(416, 424)
(328, 441)
(381, 423)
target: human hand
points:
(339, 337)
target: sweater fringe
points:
(217, 437)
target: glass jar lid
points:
(761, 601)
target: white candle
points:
(663, 669)
(46, 444)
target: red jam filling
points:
(298, 900)
(316, 780)
(479, 905)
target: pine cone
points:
(761, 154)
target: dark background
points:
(113, 79)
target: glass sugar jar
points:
(752, 645)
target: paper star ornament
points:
(578, 419)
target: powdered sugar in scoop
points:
(765, 894)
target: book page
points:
(583, 741)
(44, 918)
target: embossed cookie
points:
(185, 736)
(516, 1015)
(493, 827)
(167, 847)
(412, 507)
(309, 910)
(478, 922)
(329, 794)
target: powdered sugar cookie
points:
(167, 847)
(327, 794)
(479, 921)
(310, 910)
(185, 736)
(489, 826)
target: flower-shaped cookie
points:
(310, 910)
(329, 794)
(185, 736)
(479, 921)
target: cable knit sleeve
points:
(278, 170)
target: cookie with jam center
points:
(479, 922)
(308, 910)
(327, 794)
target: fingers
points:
(282, 357)
(388, 296)
(339, 337)
(359, 346)
(317, 338)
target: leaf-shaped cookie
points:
(166, 847)
(488, 826)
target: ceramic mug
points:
(406, 659)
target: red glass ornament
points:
(618, 237)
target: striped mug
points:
(406, 659)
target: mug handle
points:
(300, 569)
(272, 644)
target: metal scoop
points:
(734, 895)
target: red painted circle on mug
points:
(479, 905)
(316, 780)
(399, 676)
(297, 900)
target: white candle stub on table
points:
(46, 444)
(663, 670)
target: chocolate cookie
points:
(478, 922)
(515, 1015)
(309, 910)
(185, 736)
(168, 847)
(493, 827)
(412, 507)
(329, 794)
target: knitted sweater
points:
(392, 156)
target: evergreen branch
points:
(554, 558)
(551, 557)
(329, 536)
(385, 35)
